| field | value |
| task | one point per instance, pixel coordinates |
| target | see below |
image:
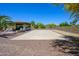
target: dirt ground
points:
(27, 47)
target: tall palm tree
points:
(4, 22)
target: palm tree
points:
(4, 22)
(73, 22)
(73, 8)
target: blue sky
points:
(38, 12)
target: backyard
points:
(42, 29)
(37, 42)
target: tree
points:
(4, 22)
(50, 25)
(73, 22)
(64, 24)
(33, 24)
(73, 8)
(40, 25)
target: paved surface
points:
(39, 35)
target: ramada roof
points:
(20, 23)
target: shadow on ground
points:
(69, 46)
(6, 35)
(3, 36)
